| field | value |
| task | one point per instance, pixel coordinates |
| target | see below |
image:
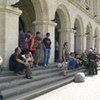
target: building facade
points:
(74, 21)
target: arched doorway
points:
(78, 43)
(96, 44)
(32, 11)
(57, 39)
(61, 30)
(28, 15)
(89, 36)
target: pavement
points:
(88, 90)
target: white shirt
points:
(1, 60)
(27, 59)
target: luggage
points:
(80, 77)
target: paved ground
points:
(88, 90)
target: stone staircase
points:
(44, 80)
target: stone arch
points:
(96, 39)
(79, 30)
(89, 33)
(62, 18)
(28, 15)
(41, 9)
(32, 10)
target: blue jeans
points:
(46, 56)
(72, 63)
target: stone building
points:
(74, 21)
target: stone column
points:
(99, 45)
(71, 40)
(9, 18)
(84, 42)
(44, 27)
(96, 43)
(92, 41)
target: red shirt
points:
(30, 42)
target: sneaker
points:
(21, 73)
(65, 73)
(17, 74)
(45, 65)
(29, 77)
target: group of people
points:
(29, 52)
(88, 59)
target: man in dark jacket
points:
(47, 48)
(92, 63)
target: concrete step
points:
(43, 89)
(14, 83)
(40, 68)
(12, 86)
(28, 87)
(36, 72)
(32, 85)
(36, 77)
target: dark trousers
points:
(56, 56)
(92, 68)
(18, 67)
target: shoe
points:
(21, 73)
(17, 74)
(65, 73)
(29, 77)
(45, 65)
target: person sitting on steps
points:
(17, 64)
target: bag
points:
(80, 77)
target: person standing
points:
(38, 43)
(92, 63)
(56, 51)
(31, 43)
(47, 47)
(22, 41)
(65, 52)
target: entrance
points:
(56, 45)
(61, 30)
(27, 16)
(57, 41)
